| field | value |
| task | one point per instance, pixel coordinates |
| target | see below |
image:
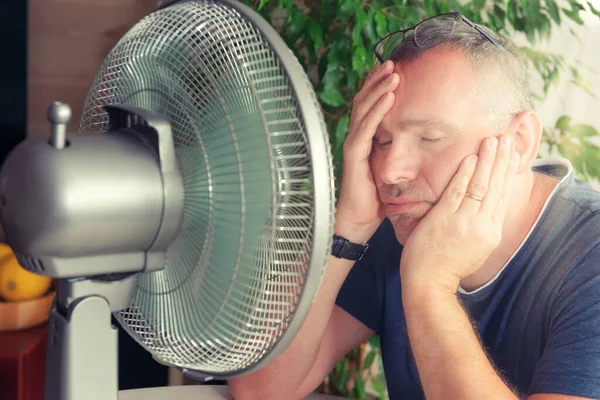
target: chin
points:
(403, 226)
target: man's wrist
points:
(428, 292)
(354, 234)
(420, 278)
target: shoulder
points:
(562, 252)
(571, 249)
(572, 193)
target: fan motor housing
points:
(98, 204)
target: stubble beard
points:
(404, 225)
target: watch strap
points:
(343, 248)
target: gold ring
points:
(472, 196)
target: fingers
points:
(478, 187)
(358, 144)
(370, 106)
(511, 172)
(497, 181)
(456, 190)
(376, 75)
(377, 84)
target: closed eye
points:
(381, 144)
(430, 140)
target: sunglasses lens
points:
(386, 48)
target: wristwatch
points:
(343, 248)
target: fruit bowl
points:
(15, 316)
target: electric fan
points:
(195, 204)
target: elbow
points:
(253, 390)
(244, 389)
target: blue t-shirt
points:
(538, 318)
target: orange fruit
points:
(16, 283)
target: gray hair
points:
(506, 94)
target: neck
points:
(531, 194)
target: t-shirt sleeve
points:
(358, 295)
(570, 362)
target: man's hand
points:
(359, 210)
(460, 232)
(451, 242)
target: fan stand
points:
(82, 358)
(82, 342)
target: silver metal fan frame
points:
(323, 188)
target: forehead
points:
(438, 86)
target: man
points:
(483, 272)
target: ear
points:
(526, 131)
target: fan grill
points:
(235, 273)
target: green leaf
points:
(583, 130)
(341, 130)
(563, 123)
(552, 9)
(511, 10)
(369, 359)
(262, 4)
(370, 25)
(454, 5)
(381, 24)
(534, 12)
(544, 26)
(348, 7)
(378, 386)
(551, 79)
(593, 9)
(316, 34)
(359, 25)
(591, 155)
(479, 4)
(352, 79)
(297, 22)
(519, 23)
(576, 6)
(338, 367)
(328, 13)
(360, 386)
(344, 376)
(332, 78)
(530, 34)
(374, 341)
(332, 98)
(359, 58)
(334, 57)
(573, 15)
(337, 383)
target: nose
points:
(400, 163)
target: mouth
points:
(404, 207)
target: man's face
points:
(435, 122)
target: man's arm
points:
(325, 336)
(451, 361)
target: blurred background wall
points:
(68, 40)
(567, 98)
